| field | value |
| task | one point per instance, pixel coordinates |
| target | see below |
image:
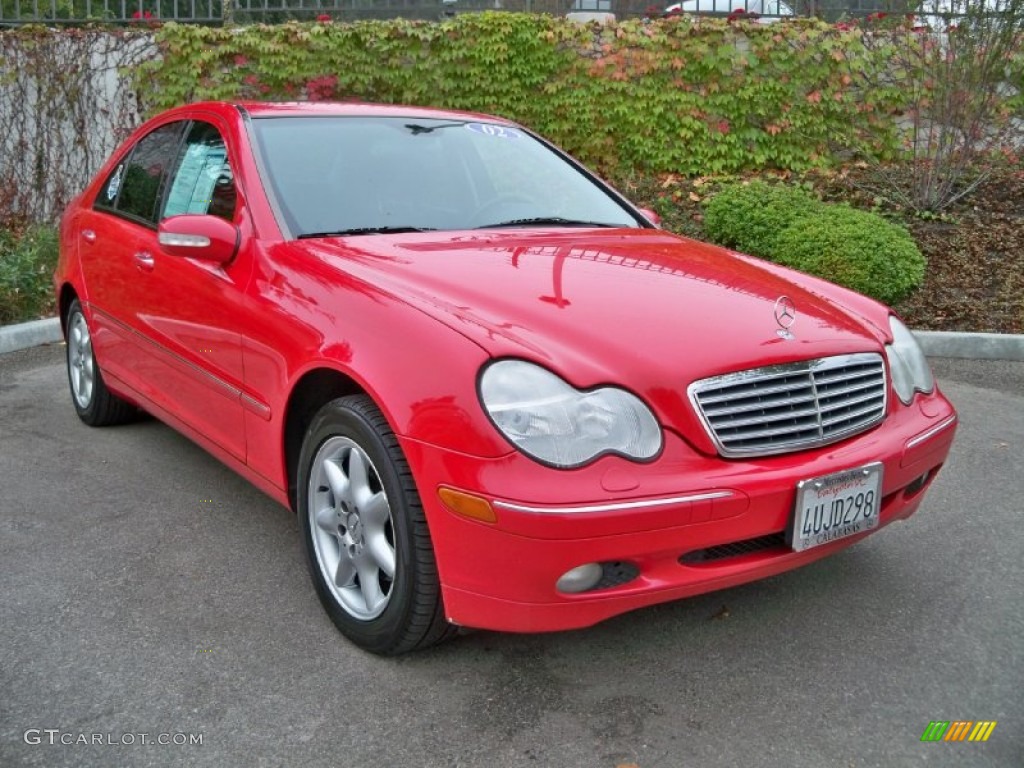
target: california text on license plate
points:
(835, 506)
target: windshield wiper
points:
(417, 129)
(554, 220)
(365, 231)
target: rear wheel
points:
(96, 405)
(365, 535)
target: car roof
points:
(259, 109)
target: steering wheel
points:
(489, 212)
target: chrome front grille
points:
(792, 407)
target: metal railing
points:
(354, 10)
(76, 12)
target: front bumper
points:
(680, 526)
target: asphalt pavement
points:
(149, 590)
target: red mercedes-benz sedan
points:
(495, 393)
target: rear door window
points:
(135, 187)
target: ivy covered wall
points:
(673, 96)
(676, 95)
(66, 101)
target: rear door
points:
(117, 246)
(166, 325)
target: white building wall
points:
(56, 125)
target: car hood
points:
(642, 308)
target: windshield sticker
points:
(495, 131)
(115, 183)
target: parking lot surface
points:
(149, 590)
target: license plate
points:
(832, 507)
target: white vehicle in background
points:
(945, 15)
(765, 11)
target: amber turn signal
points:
(467, 505)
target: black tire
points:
(412, 616)
(96, 405)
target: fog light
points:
(580, 579)
(916, 485)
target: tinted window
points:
(203, 182)
(135, 186)
(331, 174)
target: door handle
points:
(144, 261)
(89, 236)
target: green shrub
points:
(785, 224)
(857, 249)
(27, 261)
(749, 217)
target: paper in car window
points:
(115, 183)
(494, 131)
(193, 186)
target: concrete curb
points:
(968, 346)
(25, 335)
(972, 346)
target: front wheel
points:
(365, 535)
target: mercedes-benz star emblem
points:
(785, 316)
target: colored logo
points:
(958, 730)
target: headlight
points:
(910, 371)
(551, 421)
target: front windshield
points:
(361, 175)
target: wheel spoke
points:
(376, 511)
(327, 520)
(380, 552)
(345, 572)
(357, 476)
(368, 574)
(340, 485)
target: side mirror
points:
(651, 216)
(194, 236)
